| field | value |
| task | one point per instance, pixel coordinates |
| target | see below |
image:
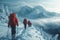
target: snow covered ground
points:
(31, 33)
(35, 32)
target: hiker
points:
(25, 23)
(13, 21)
(29, 23)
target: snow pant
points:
(13, 32)
(25, 26)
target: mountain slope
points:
(36, 12)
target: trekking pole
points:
(17, 29)
(7, 31)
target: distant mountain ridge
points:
(36, 12)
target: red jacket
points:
(13, 21)
(25, 21)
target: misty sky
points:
(50, 5)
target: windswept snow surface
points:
(31, 33)
(41, 29)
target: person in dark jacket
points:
(29, 23)
(13, 21)
(25, 23)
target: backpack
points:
(29, 23)
(12, 19)
(25, 21)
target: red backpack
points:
(13, 20)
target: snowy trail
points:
(31, 33)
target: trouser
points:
(25, 26)
(13, 32)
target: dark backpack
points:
(29, 23)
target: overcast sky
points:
(50, 5)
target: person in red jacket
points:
(13, 21)
(29, 23)
(25, 23)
